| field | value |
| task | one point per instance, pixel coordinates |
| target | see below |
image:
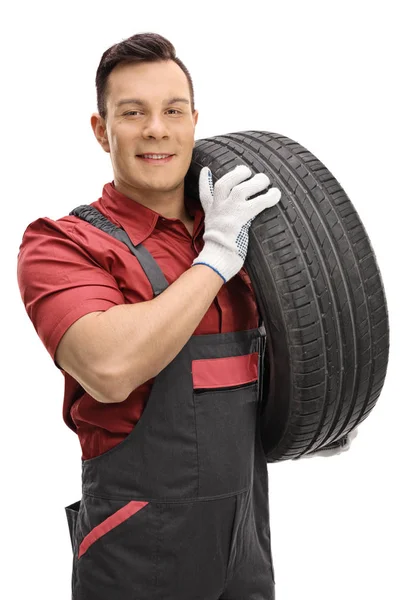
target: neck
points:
(170, 204)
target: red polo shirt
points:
(68, 268)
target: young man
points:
(161, 359)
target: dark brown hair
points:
(141, 47)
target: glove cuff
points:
(220, 259)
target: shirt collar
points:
(137, 220)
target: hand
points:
(228, 216)
(337, 447)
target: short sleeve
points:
(59, 281)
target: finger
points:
(256, 205)
(256, 184)
(224, 186)
(352, 434)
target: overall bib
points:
(179, 509)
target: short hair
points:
(141, 47)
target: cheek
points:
(188, 146)
(123, 140)
(114, 141)
(185, 143)
(121, 147)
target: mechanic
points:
(143, 303)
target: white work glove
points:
(228, 216)
(337, 447)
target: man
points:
(160, 346)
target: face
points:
(148, 112)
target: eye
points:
(174, 110)
(131, 112)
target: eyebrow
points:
(143, 103)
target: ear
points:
(100, 131)
(195, 118)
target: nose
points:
(155, 127)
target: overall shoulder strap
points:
(149, 265)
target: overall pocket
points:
(72, 516)
(116, 549)
(106, 525)
(225, 394)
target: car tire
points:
(318, 289)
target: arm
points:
(111, 353)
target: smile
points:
(156, 158)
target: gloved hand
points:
(228, 216)
(337, 447)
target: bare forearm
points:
(137, 341)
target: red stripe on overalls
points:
(112, 521)
(225, 372)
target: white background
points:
(322, 73)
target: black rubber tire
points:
(319, 292)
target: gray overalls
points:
(179, 509)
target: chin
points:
(164, 186)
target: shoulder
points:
(46, 235)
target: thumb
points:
(206, 188)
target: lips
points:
(152, 154)
(155, 161)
